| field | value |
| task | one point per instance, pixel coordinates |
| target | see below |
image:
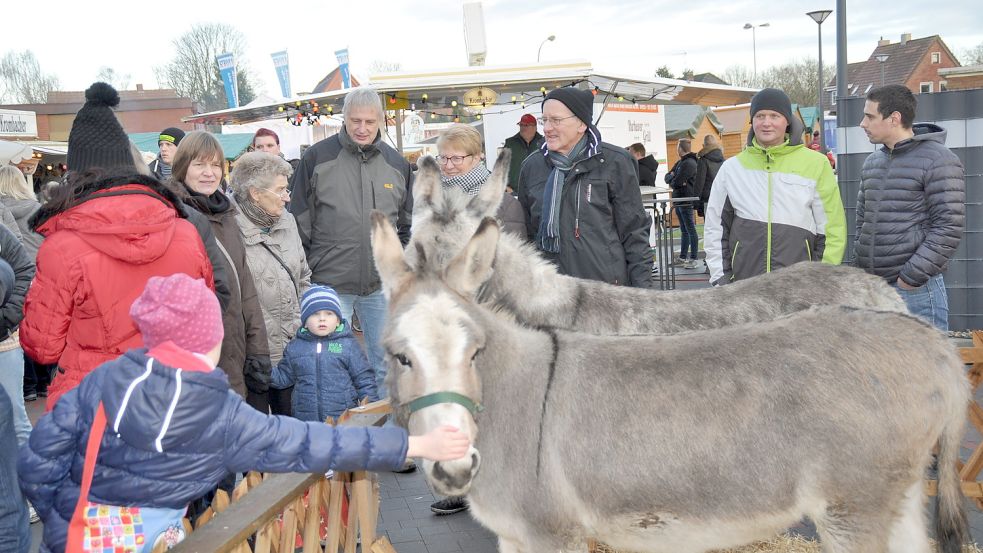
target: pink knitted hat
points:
(178, 309)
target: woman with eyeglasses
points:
(197, 173)
(274, 253)
(462, 166)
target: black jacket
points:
(13, 253)
(647, 168)
(603, 227)
(681, 176)
(911, 208)
(708, 163)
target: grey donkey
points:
(681, 443)
(531, 288)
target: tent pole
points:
(399, 131)
(607, 98)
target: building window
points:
(870, 86)
(925, 88)
(943, 86)
(832, 96)
(936, 57)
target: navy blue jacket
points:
(329, 374)
(148, 460)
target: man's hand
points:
(445, 443)
(904, 285)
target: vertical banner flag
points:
(282, 66)
(346, 77)
(227, 69)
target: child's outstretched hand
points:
(444, 443)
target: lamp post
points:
(819, 16)
(754, 45)
(882, 58)
(550, 38)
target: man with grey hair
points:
(338, 183)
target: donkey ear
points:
(388, 254)
(473, 266)
(486, 203)
(426, 186)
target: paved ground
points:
(405, 516)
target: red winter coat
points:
(95, 260)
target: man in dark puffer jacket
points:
(911, 208)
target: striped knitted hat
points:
(318, 298)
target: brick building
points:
(139, 110)
(963, 78)
(914, 63)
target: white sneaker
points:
(32, 513)
(689, 264)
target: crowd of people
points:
(130, 285)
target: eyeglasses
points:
(554, 121)
(283, 194)
(454, 160)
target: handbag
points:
(99, 528)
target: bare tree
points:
(383, 66)
(798, 78)
(739, 75)
(194, 72)
(974, 55)
(109, 75)
(22, 81)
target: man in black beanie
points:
(774, 204)
(581, 198)
(167, 142)
(97, 139)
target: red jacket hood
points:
(131, 223)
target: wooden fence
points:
(280, 513)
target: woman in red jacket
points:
(104, 238)
(107, 231)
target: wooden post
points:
(312, 522)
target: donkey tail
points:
(951, 526)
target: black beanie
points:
(172, 135)
(773, 99)
(580, 102)
(97, 139)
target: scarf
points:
(548, 237)
(213, 204)
(165, 169)
(257, 215)
(469, 182)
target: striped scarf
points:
(469, 182)
(548, 237)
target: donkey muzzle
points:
(454, 477)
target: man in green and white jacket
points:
(774, 204)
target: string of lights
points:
(314, 113)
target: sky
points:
(625, 36)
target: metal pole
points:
(754, 53)
(819, 116)
(841, 65)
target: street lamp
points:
(754, 45)
(550, 38)
(819, 16)
(882, 58)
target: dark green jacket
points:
(335, 188)
(520, 151)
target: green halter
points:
(446, 397)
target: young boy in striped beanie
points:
(324, 362)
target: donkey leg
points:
(909, 533)
(847, 529)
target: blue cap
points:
(318, 298)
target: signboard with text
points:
(18, 124)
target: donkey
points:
(530, 288)
(680, 443)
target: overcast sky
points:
(74, 39)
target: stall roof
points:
(685, 121)
(233, 144)
(525, 82)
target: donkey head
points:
(432, 339)
(444, 219)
